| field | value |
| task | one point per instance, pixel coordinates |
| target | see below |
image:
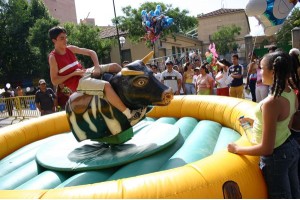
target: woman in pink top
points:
(204, 82)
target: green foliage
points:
(15, 53)
(132, 21)
(225, 39)
(41, 45)
(25, 44)
(284, 35)
(87, 36)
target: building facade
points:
(211, 22)
(63, 10)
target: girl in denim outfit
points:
(278, 150)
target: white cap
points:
(294, 51)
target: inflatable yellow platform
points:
(184, 176)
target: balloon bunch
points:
(154, 22)
(270, 13)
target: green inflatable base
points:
(149, 138)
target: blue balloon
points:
(144, 12)
(151, 13)
(148, 23)
(156, 12)
(158, 7)
(144, 16)
(168, 22)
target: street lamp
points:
(122, 41)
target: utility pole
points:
(118, 36)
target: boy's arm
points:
(88, 52)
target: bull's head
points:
(137, 87)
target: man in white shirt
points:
(171, 78)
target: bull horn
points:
(148, 57)
(128, 72)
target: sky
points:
(103, 10)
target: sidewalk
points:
(10, 120)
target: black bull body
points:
(91, 117)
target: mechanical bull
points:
(94, 118)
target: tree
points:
(19, 59)
(132, 21)
(87, 36)
(284, 35)
(41, 45)
(225, 39)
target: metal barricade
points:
(18, 107)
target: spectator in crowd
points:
(197, 63)
(221, 77)
(9, 102)
(124, 63)
(236, 72)
(65, 68)
(188, 86)
(279, 151)
(196, 74)
(252, 75)
(179, 68)
(204, 84)
(196, 57)
(272, 48)
(156, 72)
(62, 93)
(261, 90)
(19, 91)
(21, 94)
(171, 78)
(45, 99)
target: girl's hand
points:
(232, 148)
(246, 119)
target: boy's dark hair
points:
(235, 56)
(55, 31)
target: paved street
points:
(10, 120)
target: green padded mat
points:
(149, 138)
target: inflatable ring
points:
(204, 178)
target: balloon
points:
(154, 22)
(28, 89)
(148, 23)
(213, 50)
(270, 13)
(150, 14)
(158, 7)
(156, 12)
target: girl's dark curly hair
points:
(282, 65)
(294, 80)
